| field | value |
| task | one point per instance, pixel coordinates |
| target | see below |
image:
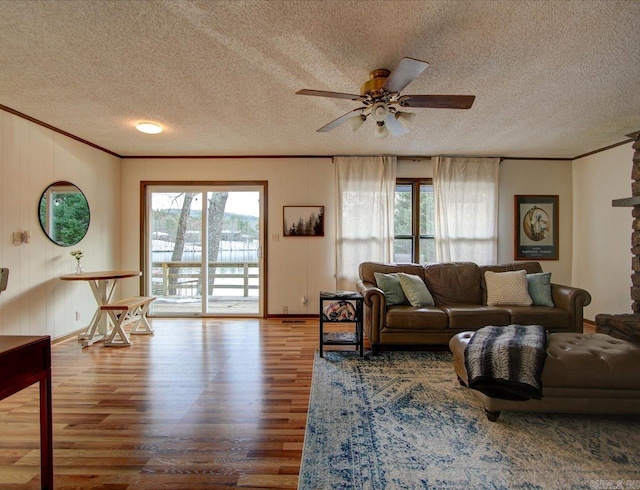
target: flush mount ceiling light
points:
(148, 128)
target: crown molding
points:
(632, 137)
(57, 130)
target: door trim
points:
(144, 239)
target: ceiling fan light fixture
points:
(405, 118)
(381, 130)
(357, 122)
(148, 128)
(379, 111)
(382, 99)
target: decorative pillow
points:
(539, 286)
(390, 285)
(507, 288)
(415, 290)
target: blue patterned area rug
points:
(402, 421)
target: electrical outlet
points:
(77, 316)
(285, 310)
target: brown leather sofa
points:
(582, 374)
(459, 293)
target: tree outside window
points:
(414, 221)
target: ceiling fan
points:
(381, 99)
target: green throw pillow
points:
(415, 290)
(539, 286)
(390, 285)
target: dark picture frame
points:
(536, 227)
(307, 221)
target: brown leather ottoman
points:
(582, 374)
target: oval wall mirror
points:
(64, 213)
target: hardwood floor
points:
(589, 327)
(200, 404)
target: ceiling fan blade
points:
(334, 95)
(337, 122)
(438, 101)
(403, 74)
(395, 127)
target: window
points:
(414, 221)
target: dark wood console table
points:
(25, 360)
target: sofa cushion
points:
(555, 319)
(416, 318)
(530, 267)
(366, 270)
(578, 360)
(470, 317)
(415, 290)
(507, 288)
(390, 285)
(454, 283)
(539, 286)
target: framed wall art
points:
(536, 227)
(303, 221)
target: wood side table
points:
(25, 360)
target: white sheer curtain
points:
(365, 194)
(466, 206)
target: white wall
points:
(296, 266)
(416, 168)
(522, 177)
(594, 237)
(602, 233)
(32, 157)
(537, 177)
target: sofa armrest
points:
(572, 300)
(375, 305)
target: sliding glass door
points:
(204, 249)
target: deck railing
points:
(185, 278)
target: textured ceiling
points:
(551, 78)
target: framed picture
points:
(303, 220)
(536, 227)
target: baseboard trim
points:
(68, 336)
(293, 316)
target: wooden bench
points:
(128, 311)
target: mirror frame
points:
(47, 198)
